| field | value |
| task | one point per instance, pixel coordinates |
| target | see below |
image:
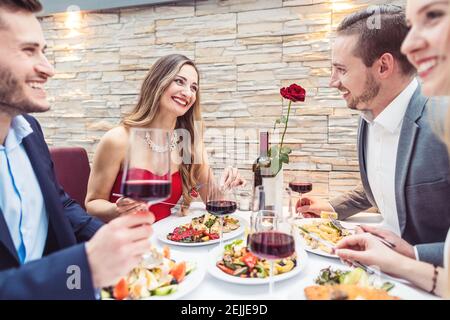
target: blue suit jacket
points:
(69, 227)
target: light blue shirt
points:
(21, 199)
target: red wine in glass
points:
(301, 187)
(147, 190)
(272, 244)
(221, 207)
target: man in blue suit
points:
(43, 233)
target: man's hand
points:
(311, 207)
(118, 247)
(401, 246)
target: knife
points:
(366, 268)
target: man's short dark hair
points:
(375, 40)
(31, 6)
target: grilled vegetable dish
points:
(238, 261)
(202, 229)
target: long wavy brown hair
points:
(158, 79)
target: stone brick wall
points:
(245, 50)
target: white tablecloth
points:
(215, 289)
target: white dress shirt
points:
(381, 147)
(21, 198)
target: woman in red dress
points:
(169, 100)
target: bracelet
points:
(435, 275)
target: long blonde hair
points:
(158, 79)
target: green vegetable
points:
(330, 277)
(261, 273)
(164, 291)
(229, 264)
(357, 276)
(230, 246)
(240, 271)
(334, 227)
(387, 286)
(105, 295)
(210, 222)
(238, 263)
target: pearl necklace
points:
(161, 149)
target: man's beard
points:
(371, 90)
(12, 96)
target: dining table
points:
(214, 288)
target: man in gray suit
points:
(404, 166)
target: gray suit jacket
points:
(422, 183)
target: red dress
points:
(160, 210)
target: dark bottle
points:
(263, 160)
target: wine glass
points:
(258, 204)
(220, 200)
(146, 175)
(272, 238)
(300, 185)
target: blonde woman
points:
(170, 100)
(427, 47)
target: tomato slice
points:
(250, 260)
(179, 271)
(121, 289)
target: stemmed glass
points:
(221, 200)
(272, 238)
(258, 204)
(146, 175)
(300, 184)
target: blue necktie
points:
(21, 252)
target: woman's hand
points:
(231, 178)
(400, 245)
(367, 249)
(125, 206)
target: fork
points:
(387, 243)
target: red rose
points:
(294, 93)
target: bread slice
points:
(328, 215)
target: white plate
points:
(216, 255)
(402, 290)
(319, 252)
(190, 282)
(168, 228)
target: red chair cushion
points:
(72, 171)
